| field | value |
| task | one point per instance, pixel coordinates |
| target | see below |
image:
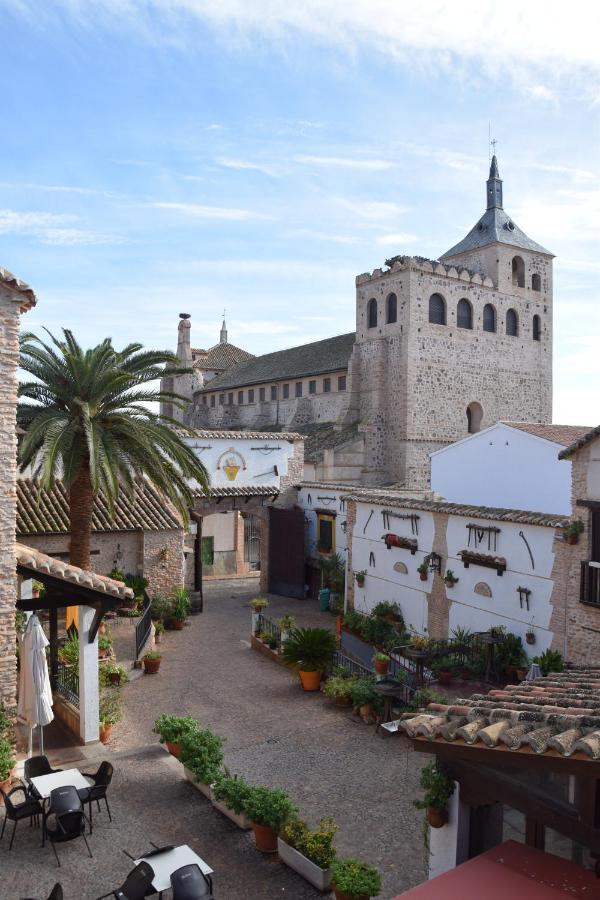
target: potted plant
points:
(109, 713)
(339, 688)
(442, 669)
(7, 762)
(115, 674)
(37, 589)
(258, 604)
(530, 636)
(172, 729)
(438, 788)
(450, 578)
(286, 624)
(418, 646)
(268, 809)
(202, 758)
(423, 569)
(309, 853)
(151, 662)
(381, 661)
(467, 670)
(390, 612)
(229, 795)
(181, 608)
(309, 651)
(362, 694)
(360, 577)
(354, 880)
(104, 646)
(573, 530)
(550, 661)
(159, 629)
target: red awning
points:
(508, 872)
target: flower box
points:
(396, 540)
(205, 789)
(470, 557)
(241, 819)
(319, 878)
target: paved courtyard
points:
(326, 758)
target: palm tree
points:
(89, 424)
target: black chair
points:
(38, 765)
(137, 885)
(190, 883)
(66, 809)
(102, 779)
(29, 808)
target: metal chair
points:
(136, 886)
(102, 779)
(190, 883)
(15, 812)
(66, 809)
(38, 765)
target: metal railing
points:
(67, 683)
(268, 626)
(143, 627)
(355, 668)
(589, 588)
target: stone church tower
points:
(448, 347)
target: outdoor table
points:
(164, 864)
(389, 690)
(44, 784)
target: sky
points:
(167, 156)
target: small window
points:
(464, 314)
(230, 399)
(537, 328)
(262, 395)
(273, 392)
(240, 398)
(298, 389)
(251, 396)
(474, 417)
(286, 391)
(437, 309)
(342, 383)
(204, 400)
(391, 309)
(325, 533)
(536, 282)
(326, 385)
(212, 400)
(372, 313)
(312, 387)
(489, 317)
(221, 399)
(512, 323)
(518, 271)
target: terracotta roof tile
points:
(28, 296)
(560, 434)
(221, 357)
(41, 563)
(579, 443)
(259, 490)
(207, 434)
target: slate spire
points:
(494, 186)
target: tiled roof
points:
(28, 295)
(207, 434)
(221, 357)
(250, 490)
(495, 227)
(324, 436)
(298, 362)
(381, 497)
(47, 512)
(42, 564)
(559, 714)
(560, 434)
(580, 442)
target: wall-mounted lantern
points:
(435, 563)
(344, 526)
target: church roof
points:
(297, 362)
(220, 357)
(559, 434)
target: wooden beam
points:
(95, 625)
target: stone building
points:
(442, 348)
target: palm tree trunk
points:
(81, 501)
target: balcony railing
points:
(589, 586)
(67, 683)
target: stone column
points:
(88, 679)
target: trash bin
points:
(324, 595)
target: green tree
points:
(90, 424)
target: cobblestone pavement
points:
(326, 758)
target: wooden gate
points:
(286, 552)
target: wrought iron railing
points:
(268, 626)
(67, 683)
(143, 626)
(355, 668)
(589, 589)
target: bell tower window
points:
(372, 313)
(536, 282)
(537, 329)
(512, 323)
(437, 309)
(518, 272)
(474, 417)
(391, 309)
(489, 317)
(464, 314)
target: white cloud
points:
(343, 162)
(399, 238)
(373, 210)
(245, 164)
(50, 228)
(321, 236)
(201, 211)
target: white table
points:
(45, 784)
(164, 864)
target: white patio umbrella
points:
(35, 693)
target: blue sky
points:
(188, 155)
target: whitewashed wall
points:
(503, 467)
(221, 527)
(324, 500)
(255, 457)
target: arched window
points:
(489, 317)
(372, 313)
(537, 328)
(474, 417)
(536, 282)
(518, 271)
(512, 323)
(464, 314)
(391, 309)
(437, 309)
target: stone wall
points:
(164, 561)
(9, 358)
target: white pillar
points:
(448, 846)
(88, 679)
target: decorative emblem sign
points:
(231, 462)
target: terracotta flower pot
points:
(105, 733)
(265, 838)
(437, 818)
(114, 677)
(151, 666)
(311, 681)
(360, 582)
(6, 783)
(382, 666)
(572, 538)
(343, 701)
(530, 638)
(444, 677)
(178, 624)
(366, 712)
(173, 748)
(423, 576)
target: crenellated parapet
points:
(429, 266)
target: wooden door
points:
(286, 552)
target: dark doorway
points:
(286, 552)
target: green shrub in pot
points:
(316, 845)
(202, 754)
(270, 807)
(172, 729)
(355, 879)
(233, 791)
